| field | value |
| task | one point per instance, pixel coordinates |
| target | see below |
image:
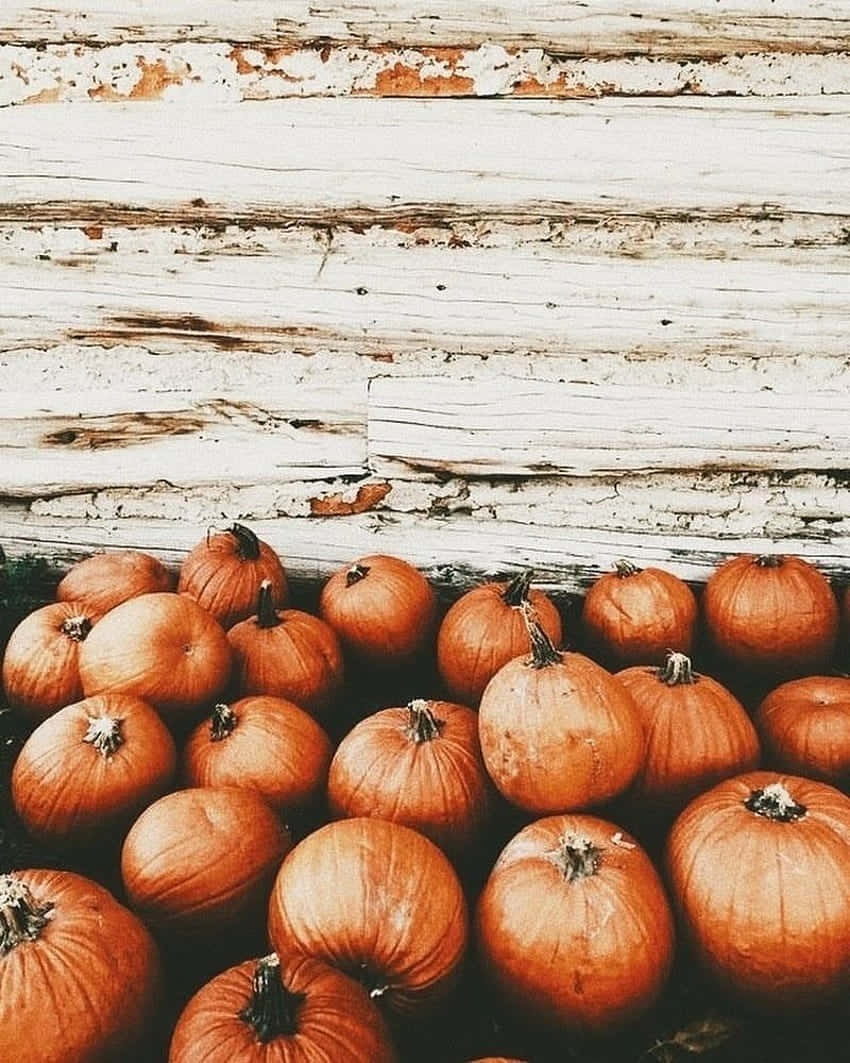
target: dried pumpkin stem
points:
(222, 722)
(376, 985)
(266, 612)
(247, 543)
(575, 857)
(22, 918)
(769, 560)
(422, 724)
(626, 568)
(104, 733)
(516, 591)
(76, 627)
(676, 670)
(272, 1010)
(355, 574)
(776, 803)
(543, 652)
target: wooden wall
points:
(505, 283)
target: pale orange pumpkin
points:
(100, 582)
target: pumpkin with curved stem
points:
(289, 654)
(573, 927)
(484, 629)
(298, 1011)
(100, 582)
(266, 744)
(637, 615)
(163, 648)
(804, 726)
(86, 772)
(383, 610)
(79, 974)
(41, 664)
(379, 901)
(760, 878)
(770, 617)
(420, 766)
(697, 734)
(558, 733)
(224, 571)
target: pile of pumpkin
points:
(327, 882)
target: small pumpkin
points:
(289, 654)
(697, 733)
(41, 664)
(558, 733)
(263, 743)
(163, 648)
(804, 726)
(484, 629)
(80, 976)
(100, 582)
(573, 927)
(770, 617)
(383, 610)
(299, 1011)
(224, 571)
(759, 875)
(380, 902)
(637, 615)
(85, 773)
(420, 766)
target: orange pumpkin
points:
(100, 582)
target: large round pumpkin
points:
(379, 901)
(573, 926)
(79, 974)
(41, 664)
(804, 727)
(637, 615)
(163, 648)
(770, 617)
(485, 629)
(420, 766)
(298, 1011)
(224, 571)
(86, 772)
(100, 582)
(759, 874)
(558, 733)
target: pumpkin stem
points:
(222, 722)
(676, 670)
(774, 802)
(21, 917)
(769, 560)
(104, 733)
(76, 627)
(247, 543)
(516, 591)
(374, 983)
(356, 573)
(422, 724)
(272, 1009)
(266, 612)
(626, 568)
(543, 652)
(575, 857)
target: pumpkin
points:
(163, 648)
(770, 617)
(484, 629)
(41, 665)
(299, 1011)
(198, 864)
(420, 766)
(637, 615)
(804, 726)
(759, 875)
(381, 902)
(697, 734)
(265, 744)
(383, 610)
(289, 654)
(85, 773)
(573, 927)
(558, 733)
(100, 582)
(79, 974)
(224, 571)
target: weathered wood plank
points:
(665, 27)
(306, 158)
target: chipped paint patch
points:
(342, 504)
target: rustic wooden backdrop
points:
(482, 284)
